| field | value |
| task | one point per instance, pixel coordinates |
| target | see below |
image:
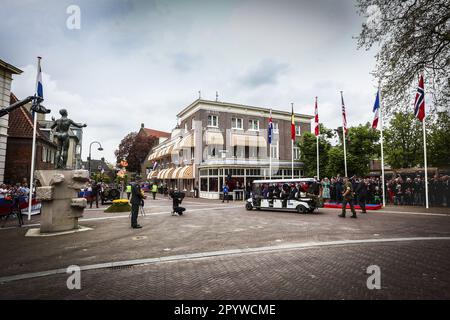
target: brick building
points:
(159, 135)
(214, 140)
(6, 73)
(20, 139)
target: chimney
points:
(142, 125)
(103, 159)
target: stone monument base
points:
(36, 232)
(61, 206)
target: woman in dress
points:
(326, 190)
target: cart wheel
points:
(248, 206)
(301, 209)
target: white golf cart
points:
(280, 195)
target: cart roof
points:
(285, 180)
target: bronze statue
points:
(62, 126)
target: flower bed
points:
(119, 205)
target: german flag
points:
(292, 124)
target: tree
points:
(125, 146)
(308, 151)
(438, 141)
(403, 141)
(139, 151)
(134, 148)
(362, 146)
(414, 36)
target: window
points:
(237, 123)
(296, 153)
(297, 130)
(253, 125)
(274, 150)
(213, 121)
(275, 127)
(44, 154)
(238, 152)
(253, 152)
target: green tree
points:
(362, 146)
(412, 36)
(335, 165)
(438, 141)
(403, 141)
(308, 151)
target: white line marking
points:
(210, 254)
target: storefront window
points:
(203, 184)
(213, 184)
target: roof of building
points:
(21, 123)
(9, 67)
(156, 133)
(242, 106)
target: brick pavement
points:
(225, 227)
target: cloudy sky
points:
(134, 62)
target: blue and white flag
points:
(39, 87)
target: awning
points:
(247, 140)
(152, 156)
(186, 172)
(256, 141)
(161, 173)
(153, 174)
(176, 172)
(168, 173)
(238, 140)
(214, 138)
(187, 142)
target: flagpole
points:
(382, 152)
(270, 146)
(317, 141)
(33, 156)
(425, 162)
(292, 144)
(345, 150)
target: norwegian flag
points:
(316, 120)
(419, 103)
(376, 110)
(344, 117)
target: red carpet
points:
(357, 207)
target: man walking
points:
(225, 193)
(154, 190)
(347, 197)
(362, 191)
(136, 201)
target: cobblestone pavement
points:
(410, 269)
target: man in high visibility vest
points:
(154, 190)
(128, 191)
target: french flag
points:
(39, 87)
(376, 110)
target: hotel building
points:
(218, 142)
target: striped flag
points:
(270, 130)
(376, 110)
(419, 103)
(39, 87)
(316, 120)
(344, 117)
(292, 124)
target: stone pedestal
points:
(61, 206)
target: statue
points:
(62, 126)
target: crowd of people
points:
(399, 190)
(7, 191)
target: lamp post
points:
(99, 149)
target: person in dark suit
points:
(362, 191)
(136, 200)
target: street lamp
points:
(99, 149)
